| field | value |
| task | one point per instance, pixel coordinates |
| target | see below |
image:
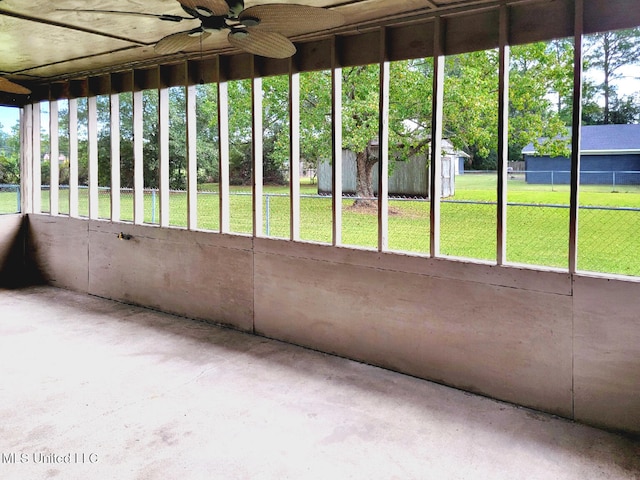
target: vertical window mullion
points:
(73, 158)
(436, 135)
(114, 107)
(294, 152)
(92, 131)
(138, 156)
(575, 137)
(163, 126)
(256, 134)
(37, 159)
(383, 147)
(223, 138)
(26, 155)
(54, 164)
(192, 159)
(503, 137)
(336, 144)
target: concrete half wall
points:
(15, 269)
(568, 345)
(11, 255)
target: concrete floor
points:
(93, 389)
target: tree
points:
(607, 53)
(540, 81)
(10, 155)
(539, 73)
(409, 118)
(470, 99)
(207, 133)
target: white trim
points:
(192, 158)
(114, 122)
(54, 162)
(574, 195)
(163, 133)
(258, 168)
(383, 146)
(336, 146)
(73, 159)
(92, 132)
(437, 100)
(223, 138)
(36, 174)
(138, 159)
(294, 153)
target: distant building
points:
(409, 178)
(610, 154)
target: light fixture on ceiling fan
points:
(260, 29)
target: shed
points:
(409, 178)
(610, 155)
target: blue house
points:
(610, 155)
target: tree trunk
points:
(364, 179)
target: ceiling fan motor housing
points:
(212, 24)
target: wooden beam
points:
(192, 159)
(73, 158)
(114, 119)
(138, 159)
(223, 138)
(383, 147)
(256, 152)
(163, 127)
(294, 152)
(503, 137)
(336, 146)
(92, 130)
(54, 154)
(26, 159)
(435, 167)
(574, 201)
(36, 176)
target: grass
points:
(536, 234)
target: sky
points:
(8, 117)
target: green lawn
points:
(608, 240)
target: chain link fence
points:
(613, 181)
(537, 232)
(9, 198)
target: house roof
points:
(604, 139)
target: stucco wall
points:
(568, 345)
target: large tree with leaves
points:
(539, 73)
(409, 119)
(607, 54)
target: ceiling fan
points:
(260, 29)
(10, 87)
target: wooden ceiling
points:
(41, 44)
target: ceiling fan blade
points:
(263, 43)
(291, 19)
(217, 8)
(179, 41)
(10, 87)
(163, 16)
